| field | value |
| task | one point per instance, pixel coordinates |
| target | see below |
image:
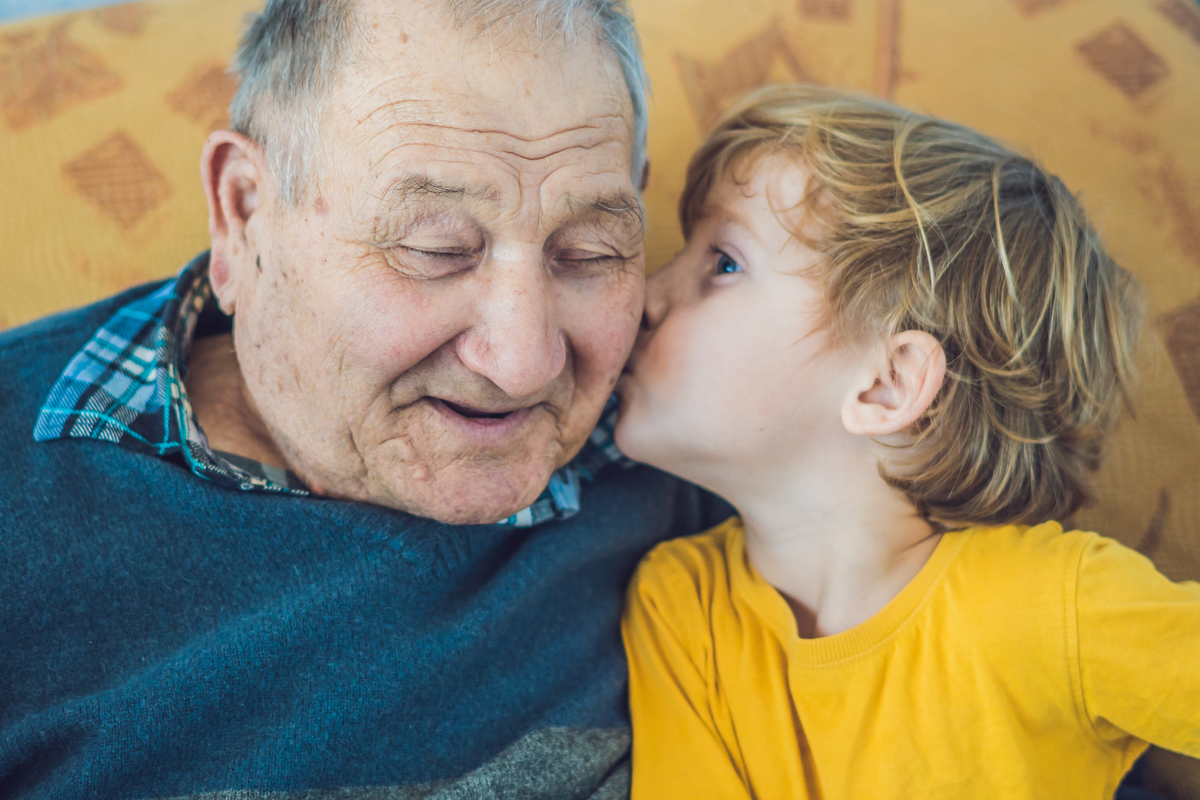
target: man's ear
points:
(898, 386)
(233, 171)
(645, 181)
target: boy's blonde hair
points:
(927, 225)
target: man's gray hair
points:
(290, 54)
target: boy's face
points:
(734, 367)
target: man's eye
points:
(419, 263)
(725, 264)
(437, 253)
(583, 255)
(586, 260)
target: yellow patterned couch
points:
(102, 116)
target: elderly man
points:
(329, 515)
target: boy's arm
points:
(1138, 648)
(678, 750)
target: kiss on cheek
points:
(735, 364)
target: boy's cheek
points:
(668, 352)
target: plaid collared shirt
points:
(126, 387)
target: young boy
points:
(897, 348)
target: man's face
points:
(437, 327)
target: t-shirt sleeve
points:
(678, 751)
(1139, 649)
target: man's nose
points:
(516, 342)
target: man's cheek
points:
(605, 350)
(614, 325)
(386, 334)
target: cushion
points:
(104, 113)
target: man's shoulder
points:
(638, 490)
(33, 355)
(32, 359)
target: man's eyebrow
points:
(626, 207)
(419, 185)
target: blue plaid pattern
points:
(126, 387)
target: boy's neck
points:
(832, 537)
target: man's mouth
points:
(476, 421)
(474, 413)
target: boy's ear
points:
(898, 386)
(233, 171)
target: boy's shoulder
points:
(1045, 566)
(987, 569)
(697, 557)
(1005, 552)
(1048, 542)
(1032, 549)
(687, 574)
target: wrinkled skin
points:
(473, 247)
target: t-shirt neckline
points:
(858, 641)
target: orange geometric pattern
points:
(1029, 7)
(128, 19)
(825, 9)
(118, 178)
(1183, 15)
(41, 75)
(1151, 539)
(204, 98)
(1182, 333)
(711, 86)
(1180, 206)
(887, 49)
(1127, 62)
(84, 100)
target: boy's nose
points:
(657, 298)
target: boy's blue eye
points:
(726, 265)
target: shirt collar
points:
(125, 387)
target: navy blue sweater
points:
(162, 636)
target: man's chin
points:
(468, 496)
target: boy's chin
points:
(632, 432)
(640, 439)
(645, 434)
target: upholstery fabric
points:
(103, 114)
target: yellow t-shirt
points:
(1019, 663)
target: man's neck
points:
(221, 403)
(833, 538)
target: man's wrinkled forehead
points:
(421, 63)
(437, 113)
(417, 66)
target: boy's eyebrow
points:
(731, 216)
(724, 215)
(721, 211)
